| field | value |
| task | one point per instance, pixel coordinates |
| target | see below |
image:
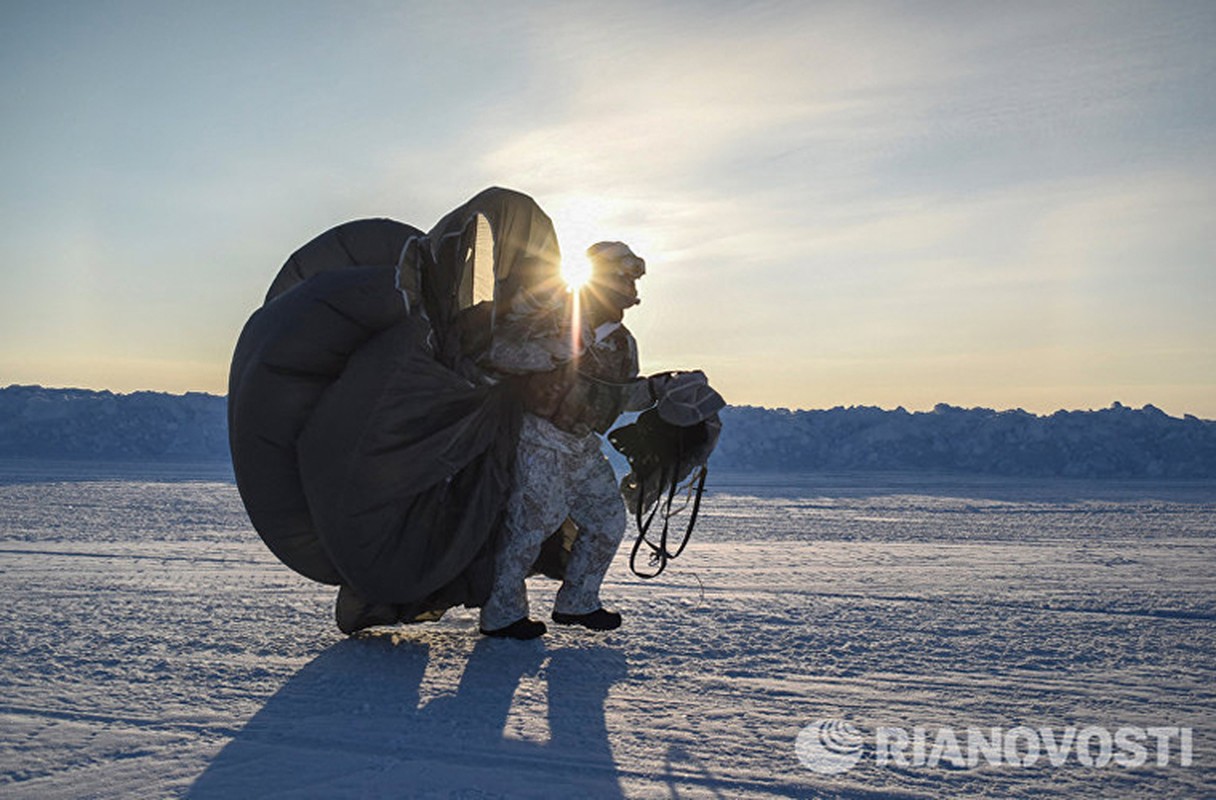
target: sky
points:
(1009, 205)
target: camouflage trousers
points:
(557, 475)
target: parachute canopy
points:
(367, 448)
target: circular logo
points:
(829, 746)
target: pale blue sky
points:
(1000, 204)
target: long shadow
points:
(350, 724)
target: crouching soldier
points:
(560, 470)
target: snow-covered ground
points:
(151, 646)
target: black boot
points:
(353, 613)
(598, 620)
(519, 629)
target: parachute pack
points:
(668, 448)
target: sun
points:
(576, 270)
(579, 220)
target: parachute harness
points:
(659, 456)
(692, 489)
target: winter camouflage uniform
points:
(560, 472)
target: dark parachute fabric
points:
(289, 353)
(363, 242)
(365, 449)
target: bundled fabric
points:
(368, 448)
(668, 448)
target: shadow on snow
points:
(351, 723)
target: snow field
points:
(152, 646)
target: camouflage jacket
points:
(606, 384)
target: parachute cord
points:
(604, 382)
(701, 599)
(696, 508)
(643, 527)
(401, 266)
(659, 554)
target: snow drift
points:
(1119, 441)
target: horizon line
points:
(1114, 406)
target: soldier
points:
(560, 470)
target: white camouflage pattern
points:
(557, 475)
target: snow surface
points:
(153, 647)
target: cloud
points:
(846, 195)
(972, 184)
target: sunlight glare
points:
(576, 270)
(579, 220)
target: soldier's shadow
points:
(350, 724)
